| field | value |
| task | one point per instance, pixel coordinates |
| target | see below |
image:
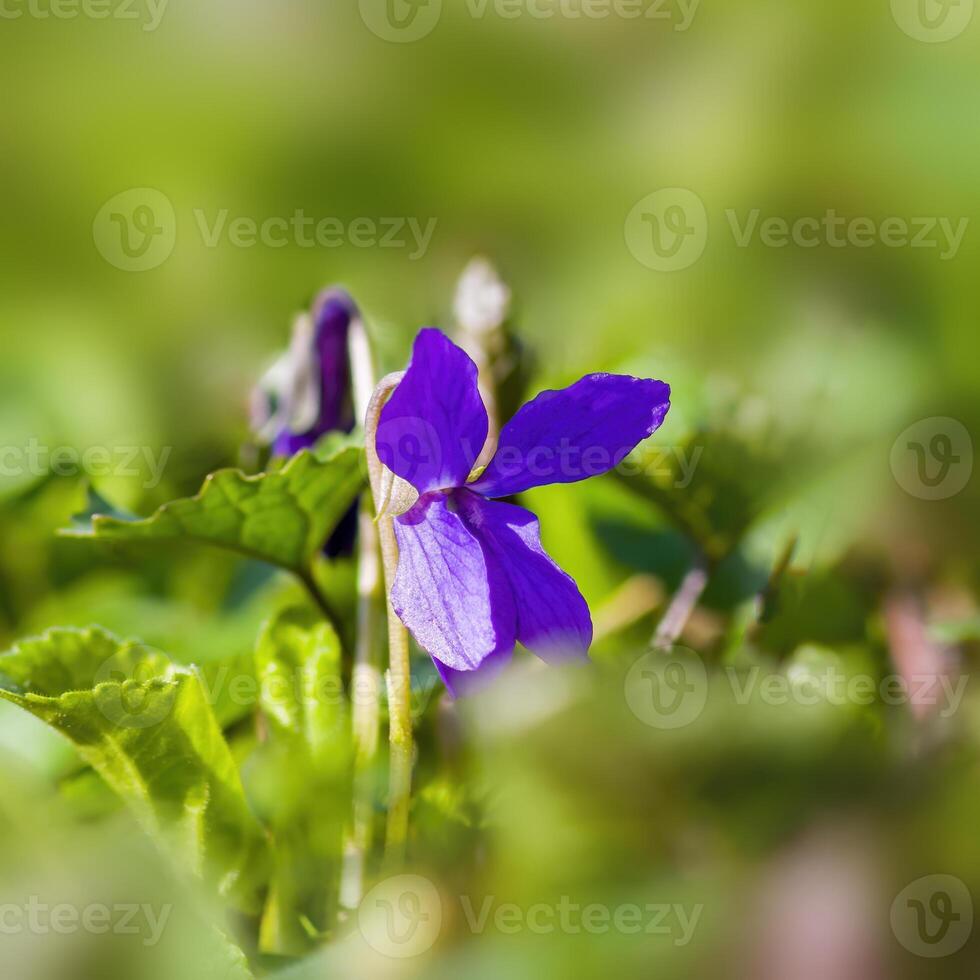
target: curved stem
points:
(681, 606)
(398, 678)
(305, 576)
(365, 696)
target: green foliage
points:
(145, 726)
(302, 776)
(782, 110)
(282, 517)
(297, 663)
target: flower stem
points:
(365, 683)
(305, 576)
(398, 677)
(681, 606)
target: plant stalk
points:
(305, 576)
(398, 677)
(681, 606)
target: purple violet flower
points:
(473, 579)
(307, 392)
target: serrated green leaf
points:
(282, 517)
(146, 727)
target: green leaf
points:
(282, 517)
(297, 663)
(96, 504)
(222, 959)
(712, 486)
(306, 767)
(144, 724)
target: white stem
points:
(399, 672)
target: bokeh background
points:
(797, 373)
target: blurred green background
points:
(796, 373)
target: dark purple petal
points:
(572, 434)
(462, 683)
(333, 311)
(435, 424)
(289, 444)
(448, 591)
(553, 619)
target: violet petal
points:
(448, 591)
(332, 315)
(553, 619)
(574, 433)
(434, 425)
